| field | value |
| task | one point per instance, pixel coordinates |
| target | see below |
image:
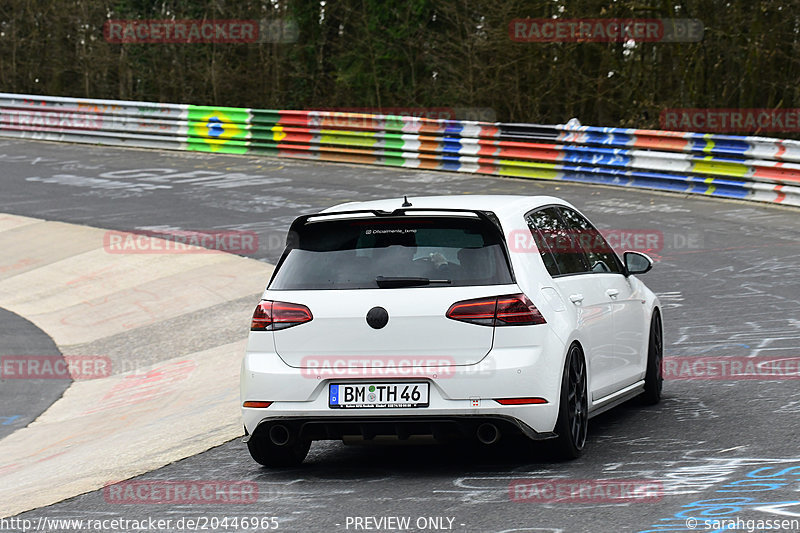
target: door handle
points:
(576, 298)
(612, 293)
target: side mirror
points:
(636, 263)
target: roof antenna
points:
(406, 203)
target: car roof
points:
(504, 206)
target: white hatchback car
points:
(450, 316)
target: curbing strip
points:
(105, 430)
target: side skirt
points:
(612, 400)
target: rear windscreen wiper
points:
(392, 282)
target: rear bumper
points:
(459, 397)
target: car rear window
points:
(355, 253)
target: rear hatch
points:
(412, 266)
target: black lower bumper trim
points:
(369, 427)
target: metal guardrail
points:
(741, 167)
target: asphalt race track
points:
(727, 273)
(25, 399)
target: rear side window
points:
(559, 247)
(356, 253)
(600, 255)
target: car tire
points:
(654, 375)
(266, 453)
(573, 410)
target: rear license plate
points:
(377, 395)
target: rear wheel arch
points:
(586, 365)
(577, 343)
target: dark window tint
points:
(541, 244)
(558, 240)
(600, 255)
(353, 253)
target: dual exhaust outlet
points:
(281, 435)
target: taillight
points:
(509, 310)
(271, 316)
(517, 310)
(481, 311)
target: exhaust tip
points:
(279, 435)
(488, 433)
